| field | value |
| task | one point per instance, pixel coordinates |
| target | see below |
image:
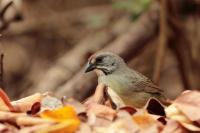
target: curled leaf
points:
(189, 103)
(35, 108)
(155, 107)
(25, 104)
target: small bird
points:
(131, 86)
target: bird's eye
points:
(99, 59)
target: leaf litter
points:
(44, 113)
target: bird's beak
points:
(89, 67)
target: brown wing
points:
(147, 86)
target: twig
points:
(4, 9)
(1, 71)
(2, 13)
(5, 23)
(162, 42)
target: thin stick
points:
(162, 42)
(3, 10)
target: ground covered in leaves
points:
(44, 113)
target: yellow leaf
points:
(59, 115)
(174, 113)
(68, 126)
(144, 120)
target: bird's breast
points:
(118, 84)
(124, 89)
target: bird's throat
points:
(99, 72)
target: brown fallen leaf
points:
(94, 121)
(84, 128)
(25, 104)
(115, 98)
(155, 107)
(34, 109)
(30, 121)
(144, 120)
(173, 127)
(10, 116)
(122, 124)
(129, 109)
(98, 96)
(101, 111)
(8, 128)
(189, 104)
(174, 113)
(33, 129)
(69, 126)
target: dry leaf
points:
(129, 109)
(33, 129)
(59, 115)
(8, 128)
(98, 96)
(10, 116)
(115, 127)
(25, 104)
(174, 113)
(5, 104)
(185, 110)
(34, 109)
(115, 98)
(68, 126)
(84, 128)
(101, 111)
(155, 107)
(131, 125)
(173, 127)
(144, 120)
(189, 104)
(29, 121)
(79, 108)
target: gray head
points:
(104, 61)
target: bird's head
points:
(106, 62)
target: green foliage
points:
(135, 7)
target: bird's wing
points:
(147, 86)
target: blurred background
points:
(44, 44)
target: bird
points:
(132, 87)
